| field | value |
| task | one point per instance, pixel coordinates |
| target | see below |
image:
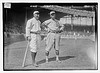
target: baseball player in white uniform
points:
(53, 36)
(32, 34)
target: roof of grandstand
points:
(70, 10)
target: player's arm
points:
(61, 26)
(45, 24)
(28, 29)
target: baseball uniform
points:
(52, 36)
(33, 25)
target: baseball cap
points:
(35, 12)
(52, 12)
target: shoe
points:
(47, 61)
(36, 65)
(58, 61)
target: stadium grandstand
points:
(78, 20)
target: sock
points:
(57, 54)
(47, 54)
(33, 54)
(57, 58)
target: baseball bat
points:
(23, 64)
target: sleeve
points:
(40, 26)
(28, 28)
(61, 26)
(45, 23)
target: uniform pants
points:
(51, 38)
(35, 42)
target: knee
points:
(47, 53)
(57, 52)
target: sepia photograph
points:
(50, 36)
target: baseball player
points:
(53, 36)
(32, 34)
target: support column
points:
(71, 22)
(25, 18)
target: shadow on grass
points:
(54, 59)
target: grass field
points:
(74, 54)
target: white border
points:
(45, 1)
(50, 1)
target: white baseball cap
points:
(35, 12)
(52, 12)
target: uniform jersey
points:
(52, 24)
(52, 37)
(32, 25)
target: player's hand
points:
(57, 30)
(38, 32)
(61, 30)
(29, 38)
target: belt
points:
(34, 32)
(42, 32)
(54, 31)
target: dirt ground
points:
(74, 54)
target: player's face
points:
(53, 16)
(36, 15)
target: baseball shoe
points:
(58, 61)
(47, 61)
(36, 65)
